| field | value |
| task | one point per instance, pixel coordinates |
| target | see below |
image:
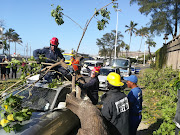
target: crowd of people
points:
(7, 69)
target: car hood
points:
(36, 118)
(102, 78)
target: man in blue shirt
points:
(135, 103)
(53, 55)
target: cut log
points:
(91, 119)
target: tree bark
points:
(91, 119)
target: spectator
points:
(3, 70)
(7, 68)
(14, 70)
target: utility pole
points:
(26, 51)
(116, 32)
(144, 53)
(30, 51)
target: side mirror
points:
(61, 105)
(85, 65)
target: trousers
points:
(134, 121)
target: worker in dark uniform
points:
(115, 107)
(135, 103)
(52, 54)
(92, 86)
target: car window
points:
(67, 57)
(99, 64)
(138, 68)
(62, 95)
(105, 72)
(120, 63)
(41, 98)
(89, 64)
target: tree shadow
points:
(151, 128)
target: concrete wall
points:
(173, 53)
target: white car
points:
(50, 115)
(89, 65)
(104, 71)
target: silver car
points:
(50, 115)
(104, 71)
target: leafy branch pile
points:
(12, 113)
(160, 97)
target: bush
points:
(162, 85)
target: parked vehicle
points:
(50, 115)
(123, 64)
(137, 70)
(89, 65)
(104, 71)
(67, 57)
(132, 68)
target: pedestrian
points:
(135, 103)
(52, 54)
(7, 67)
(14, 70)
(115, 107)
(3, 69)
(92, 87)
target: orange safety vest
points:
(75, 64)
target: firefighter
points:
(115, 107)
(52, 54)
(92, 86)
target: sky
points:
(32, 20)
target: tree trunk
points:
(91, 119)
(150, 53)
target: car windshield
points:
(67, 57)
(41, 98)
(105, 72)
(89, 64)
(120, 63)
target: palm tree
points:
(143, 32)
(127, 49)
(150, 43)
(16, 39)
(9, 34)
(131, 29)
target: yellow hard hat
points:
(114, 79)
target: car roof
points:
(121, 59)
(94, 61)
(108, 67)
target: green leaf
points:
(7, 128)
(25, 110)
(19, 118)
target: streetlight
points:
(116, 31)
(165, 37)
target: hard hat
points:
(96, 69)
(114, 79)
(54, 41)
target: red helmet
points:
(54, 41)
(96, 69)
